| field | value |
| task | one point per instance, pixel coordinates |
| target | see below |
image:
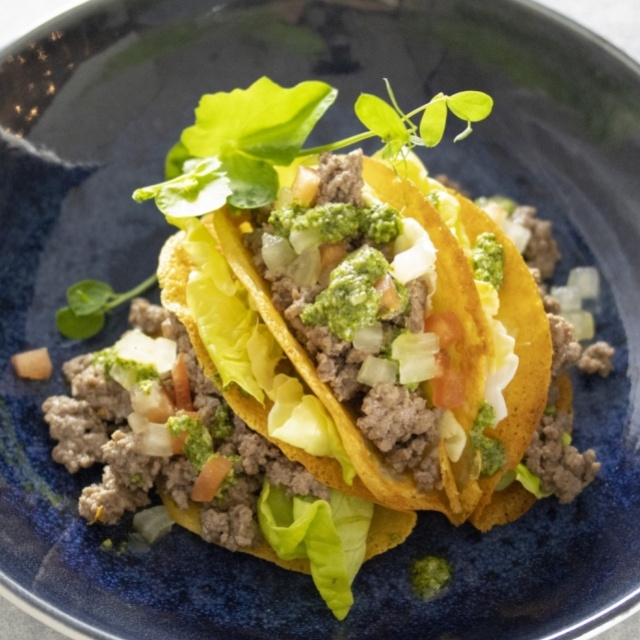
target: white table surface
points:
(617, 21)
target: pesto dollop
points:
(429, 576)
(492, 451)
(488, 260)
(136, 372)
(198, 445)
(335, 221)
(351, 300)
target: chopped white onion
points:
(415, 261)
(138, 347)
(156, 441)
(137, 422)
(417, 369)
(517, 233)
(408, 345)
(305, 269)
(453, 435)
(412, 232)
(495, 211)
(568, 297)
(151, 401)
(374, 370)
(303, 240)
(153, 523)
(583, 324)
(369, 339)
(277, 253)
(586, 280)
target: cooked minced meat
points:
(79, 431)
(417, 290)
(541, 251)
(562, 470)
(231, 529)
(88, 382)
(340, 178)
(295, 479)
(147, 317)
(551, 304)
(106, 502)
(176, 479)
(134, 469)
(404, 429)
(597, 359)
(566, 350)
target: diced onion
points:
(517, 233)
(417, 369)
(447, 205)
(453, 435)
(408, 345)
(305, 269)
(303, 240)
(33, 365)
(137, 422)
(583, 324)
(369, 339)
(138, 347)
(586, 280)
(412, 232)
(495, 211)
(153, 523)
(152, 402)
(374, 370)
(415, 261)
(277, 253)
(156, 441)
(568, 297)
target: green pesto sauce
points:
(429, 576)
(493, 452)
(198, 445)
(336, 221)
(221, 426)
(488, 260)
(108, 358)
(350, 300)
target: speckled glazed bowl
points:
(90, 103)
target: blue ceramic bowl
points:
(90, 104)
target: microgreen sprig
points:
(88, 302)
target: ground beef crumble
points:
(541, 251)
(597, 358)
(562, 470)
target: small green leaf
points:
(434, 121)
(252, 183)
(265, 121)
(381, 118)
(174, 162)
(88, 296)
(471, 106)
(78, 327)
(202, 189)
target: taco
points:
(145, 410)
(423, 470)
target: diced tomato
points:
(390, 299)
(210, 479)
(448, 385)
(177, 442)
(446, 325)
(181, 388)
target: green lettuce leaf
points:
(213, 298)
(302, 421)
(332, 535)
(530, 481)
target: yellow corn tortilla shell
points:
(523, 315)
(455, 292)
(513, 502)
(388, 529)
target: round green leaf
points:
(88, 296)
(433, 122)
(77, 327)
(472, 106)
(252, 183)
(380, 118)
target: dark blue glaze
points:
(102, 94)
